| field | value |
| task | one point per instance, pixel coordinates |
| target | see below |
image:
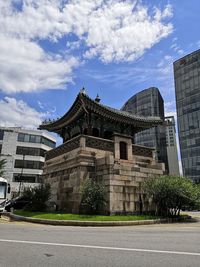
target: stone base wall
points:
(67, 171)
(123, 181)
(66, 175)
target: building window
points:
(0, 148)
(21, 137)
(1, 134)
(29, 164)
(48, 142)
(32, 151)
(31, 138)
(123, 150)
(26, 178)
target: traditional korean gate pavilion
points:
(98, 144)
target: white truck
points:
(4, 193)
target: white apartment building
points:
(24, 152)
(172, 153)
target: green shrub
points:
(171, 193)
(93, 198)
(38, 197)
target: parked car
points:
(17, 203)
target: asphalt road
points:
(25, 244)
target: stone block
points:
(109, 160)
(101, 161)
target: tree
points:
(93, 196)
(2, 166)
(38, 197)
(171, 193)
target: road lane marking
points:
(101, 247)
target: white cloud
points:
(123, 30)
(170, 109)
(25, 67)
(112, 30)
(153, 72)
(73, 45)
(176, 48)
(36, 19)
(171, 113)
(165, 66)
(14, 113)
(45, 106)
(40, 104)
(181, 52)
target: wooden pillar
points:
(89, 124)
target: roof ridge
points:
(122, 112)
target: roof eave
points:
(83, 103)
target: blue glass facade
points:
(187, 87)
(149, 102)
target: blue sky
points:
(50, 49)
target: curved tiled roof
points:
(133, 116)
(84, 104)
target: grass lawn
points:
(66, 216)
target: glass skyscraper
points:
(187, 87)
(149, 102)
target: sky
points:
(50, 49)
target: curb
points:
(83, 223)
(14, 217)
